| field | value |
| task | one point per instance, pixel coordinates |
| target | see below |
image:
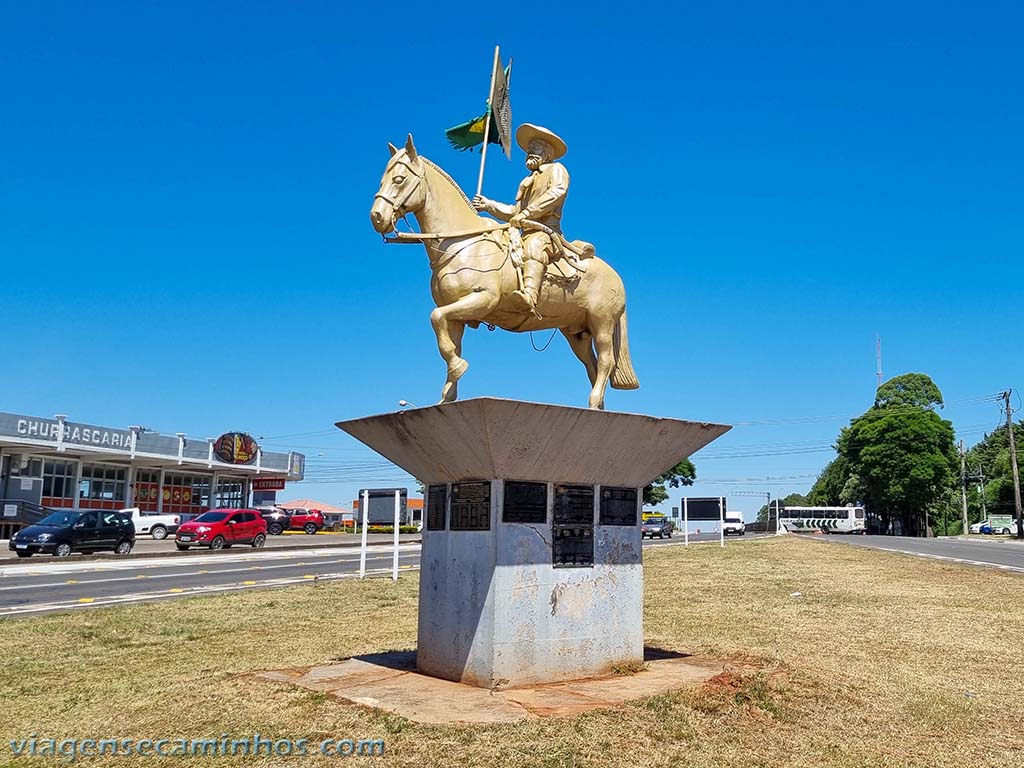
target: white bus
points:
(824, 519)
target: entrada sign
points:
(268, 484)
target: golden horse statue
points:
(474, 273)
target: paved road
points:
(44, 585)
(144, 545)
(29, 589)
(990, 553)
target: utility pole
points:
(963, 484)
(1013, 464)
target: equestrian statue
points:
(519, 273)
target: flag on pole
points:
(471, 133)
(499, 109)
(500, 106)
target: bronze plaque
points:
(618, 506)
(437, 500)
(471, 507)
(574, 505)
(525, 502)
(572, 546)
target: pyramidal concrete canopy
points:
(487, 437)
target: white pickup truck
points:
(152, 523)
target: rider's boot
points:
(526, 299)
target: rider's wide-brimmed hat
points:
(527, 132)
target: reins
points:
(419, 237)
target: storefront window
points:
(230, 493)
(102, 487)
(59, 483)
(187, 494)
(146, 491)
(25, 466)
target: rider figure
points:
(540, 198)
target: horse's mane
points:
(444, 175)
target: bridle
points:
(398, 204)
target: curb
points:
(986, 540)
(11, 557)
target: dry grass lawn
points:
(882, 660)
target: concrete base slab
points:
(389, 681)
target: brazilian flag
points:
(471, 133)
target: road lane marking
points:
(263, 555)
(142, 597)
(925, 555)
(86, 599)
(338, 561)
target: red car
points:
(308, 520)
(280, 520)
(221, 528)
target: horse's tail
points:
(623, 376)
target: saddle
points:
(573, 252)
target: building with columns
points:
(54, 463)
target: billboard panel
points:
(704, 508)
(381, 509)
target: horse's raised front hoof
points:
(457, 370)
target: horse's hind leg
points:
(449, 323)
(582, 345)
(450, 390)
(604, 342)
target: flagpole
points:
(487, 125)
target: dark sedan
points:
(657, 525)
(62, 533)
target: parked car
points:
(733, 525)
(309, 520)
(996, 524)
(656, 525)
(152, 523)
(221, 529)
(989, 530)
(69, 531)
(280, 520)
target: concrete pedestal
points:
(531, 569)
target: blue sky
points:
(185, 188)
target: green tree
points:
(990, 458)
(683, 473)
(827, 490)
(909, 389)
(902, 452)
